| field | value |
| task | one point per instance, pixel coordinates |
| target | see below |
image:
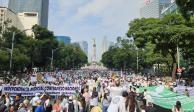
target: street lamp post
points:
(137, 60)
(11, 53)
(12, 47)
(52, 56)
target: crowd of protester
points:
(101, 91)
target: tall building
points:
(111, 44)
(21, 21)
(7, 15)
(39, 6)
(27, 20)
(84, 46)
(170, 9)
(104, 45)
(64, 39)
(153, 8)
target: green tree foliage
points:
(19, 52)
(73, 57)
(45, 42)
(186, 8)
(166, 34)
(36, 51)
(121, 56)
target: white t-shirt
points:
(114, 105)
(115, 91)
(122, 107)
(34, 101)
(94, 101)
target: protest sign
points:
(31, 90)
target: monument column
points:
(94, 50)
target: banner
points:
(167, 99)
(51, 90)
(181, 90)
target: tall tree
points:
(70, 56)
(120, 56)
(186, 8)
(46, 41)
(166, 34)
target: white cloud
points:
(94, 7)
(111, 12)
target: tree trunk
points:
(169, 69)
(174, 71)
(158, 71)
(174, 67)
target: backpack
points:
(71, 107)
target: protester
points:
(94, 98)
(125, 103)
(186, 92)
(82, 104)
(3, 107)
(177, 107)
(116, 90)
(100, 91)
(34, 101)
(48, 104)
(86, 95)
(69, 107)
(7, 100)
(11, 109)
(39, 107)
(96, 109)
(17, 102)
(150, 108)
(57, 106)
(64, 102)
(24, 107)
(105, 101)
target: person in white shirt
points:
(94, 98)
(7, 100)
(125, 103)
(34, 101)
(64, 102)
(114, 105)
(116, 90)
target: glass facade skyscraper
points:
(40, 6)
(64, 39)
(171, 9)
(153, 8)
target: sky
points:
(88, 19)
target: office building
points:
(153, 8)
(171, 9)
(104, 45)
(111, 44)
(27, 20)
(39, 6)
(21, 21)
(84, 46)
(64, 39)
(7, 15)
